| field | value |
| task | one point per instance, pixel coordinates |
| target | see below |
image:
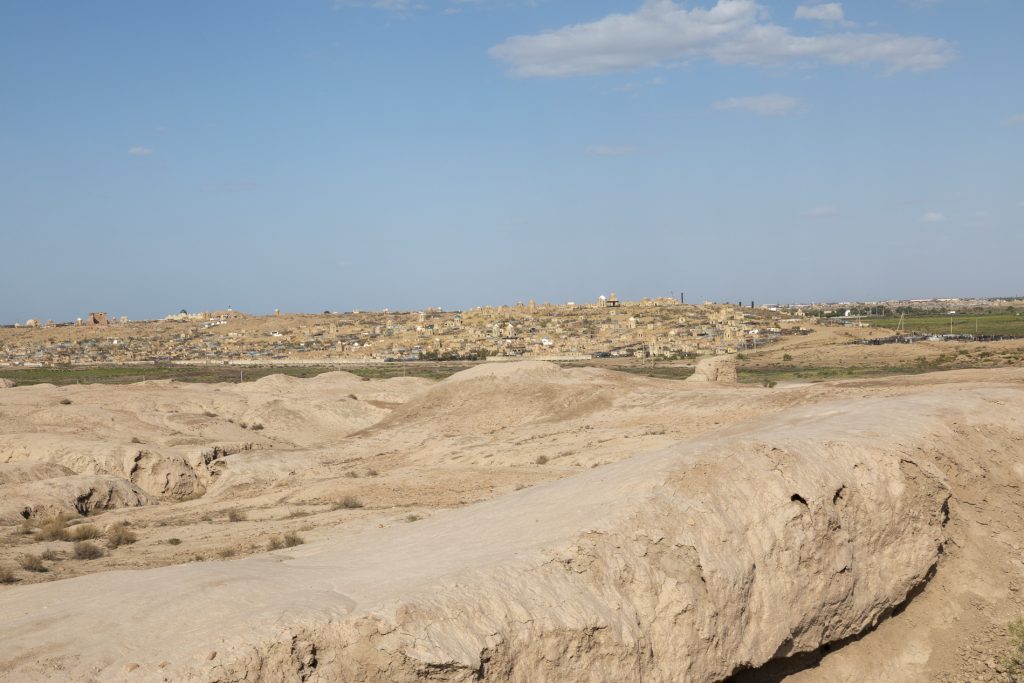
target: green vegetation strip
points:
(210, 374)
(995, 324)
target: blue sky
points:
(321, 154)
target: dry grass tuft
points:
(173, 541)
(53, 529)
(226, 553)
(542, 460)
(84, 550)
(236, 516)
(51, 556)
(347, 503)
(83, 532)
(7, 576)
(119, 534)
(32, 563)
(289, 540)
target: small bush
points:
(236, 516)
(542, 460)
(7, 576)
(51, 556)
(352, 474)
(257, 427)
(32, 563)
(296, 514)
(83, 532)
(347, 503)
(53, 529)
(65, 401)
(769, 384)
(210, 413)
(136, 439)
(226, 553)
(413, 518)
(119, 534)
(787, 357)
(173, 541)
(84, 550)
(1014, 661)
(372, 472)
(289, 540)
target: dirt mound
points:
(720, 369)
(494, 396)
(692, 563)
(6, 383)
(21, 472)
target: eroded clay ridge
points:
(687, 564)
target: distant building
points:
(97, 318)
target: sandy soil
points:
(337, 457)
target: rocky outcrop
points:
(72, 495)
(163, 475)
(689, 564)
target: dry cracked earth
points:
(514, 522)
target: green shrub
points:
(1014, 661)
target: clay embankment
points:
(690, 563)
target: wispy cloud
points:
(662, 32)
(829, 12)
(611, 151)
(140, 151)
(933, 217)
(765, 105)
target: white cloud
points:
(829, 12)
(610, 151)
(390, 5)
(730, 32)
(933, 217)
(765, 105)
(140, 151)
(821, 211)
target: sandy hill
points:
(518, 522)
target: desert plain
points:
(520, 521)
